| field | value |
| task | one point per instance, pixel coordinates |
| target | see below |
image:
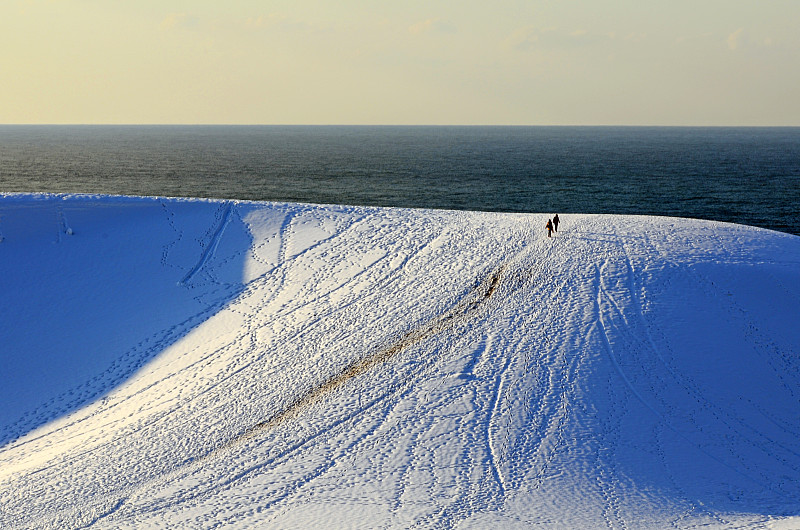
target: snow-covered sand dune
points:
(192, 363)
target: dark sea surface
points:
(743, 175)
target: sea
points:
(743, 175)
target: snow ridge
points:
(415, 368)
(440, 324)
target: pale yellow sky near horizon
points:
(512, 62)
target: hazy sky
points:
(581, 62)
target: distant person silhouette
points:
(549, 227)
(555, 223)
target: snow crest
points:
(197, 363)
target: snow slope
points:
(195, 364)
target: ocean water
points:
(743, 175)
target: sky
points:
(506, 62)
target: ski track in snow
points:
(374, 368)
(211, 247)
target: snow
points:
(199, 363)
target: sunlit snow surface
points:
(190, 364)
